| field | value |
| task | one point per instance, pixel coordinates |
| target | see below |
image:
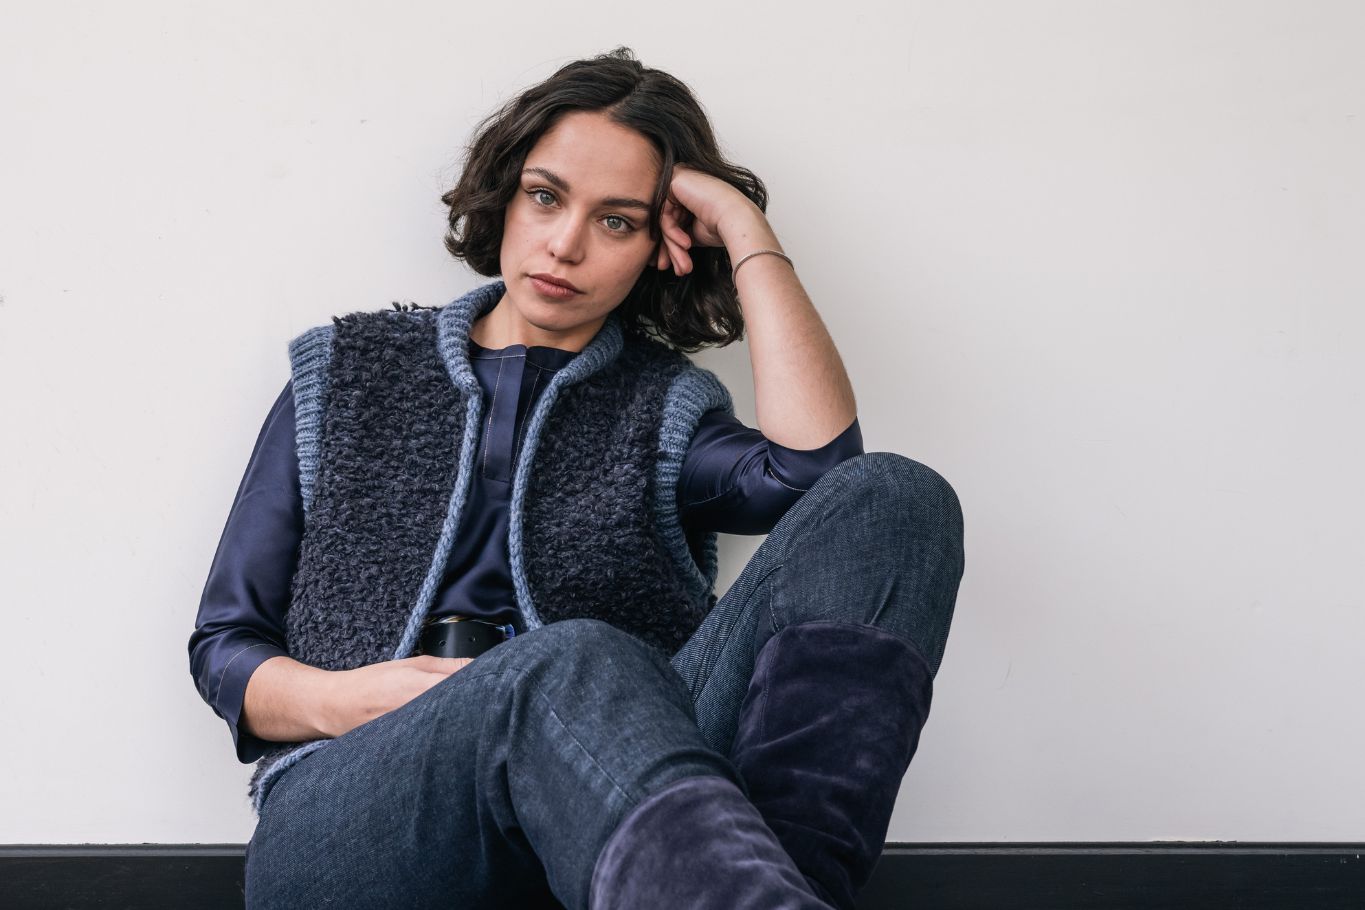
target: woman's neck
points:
(493, 331)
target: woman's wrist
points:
(288, 701)
(746, 229)
(325, 699)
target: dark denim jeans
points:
(498, 786)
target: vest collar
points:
(455, 319)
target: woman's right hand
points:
(355, 697)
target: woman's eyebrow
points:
(623, 202)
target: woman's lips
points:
(557, 291)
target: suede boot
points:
(700, 844)
(826, 733)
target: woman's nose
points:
(565, 242)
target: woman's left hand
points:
(696, 205)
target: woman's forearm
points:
(284, 701)
(802, 394)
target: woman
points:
(621, 738)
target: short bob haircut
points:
(688, 312)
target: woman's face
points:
(580, 215)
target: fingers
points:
(682, 263)
(670, 254)
(675, 240)
(677, 234)
(672, 224)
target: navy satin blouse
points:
(734, 480)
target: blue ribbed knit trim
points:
(310, 354)
(453, 322)
(692, 393)
(407, 645)
(601, 351)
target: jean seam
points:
(772, 610)
(708, 668)
(578, 742)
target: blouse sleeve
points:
(241, 611)
(735, 480)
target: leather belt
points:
(460, 636)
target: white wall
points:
(1097, 263)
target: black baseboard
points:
(1163, 875)
(985, 876)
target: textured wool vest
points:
(388, 418)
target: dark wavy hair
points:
(689, 312)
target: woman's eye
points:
(625, 226)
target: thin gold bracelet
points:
(757, 252)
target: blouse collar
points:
(455, 319)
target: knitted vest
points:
(388, 419)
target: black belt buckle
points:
(460, 636)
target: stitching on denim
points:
(772, 610)
(707, 662)
(579, 743)
(765, 686)
(539, 692)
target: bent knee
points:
(582, 634)
(893, 484)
